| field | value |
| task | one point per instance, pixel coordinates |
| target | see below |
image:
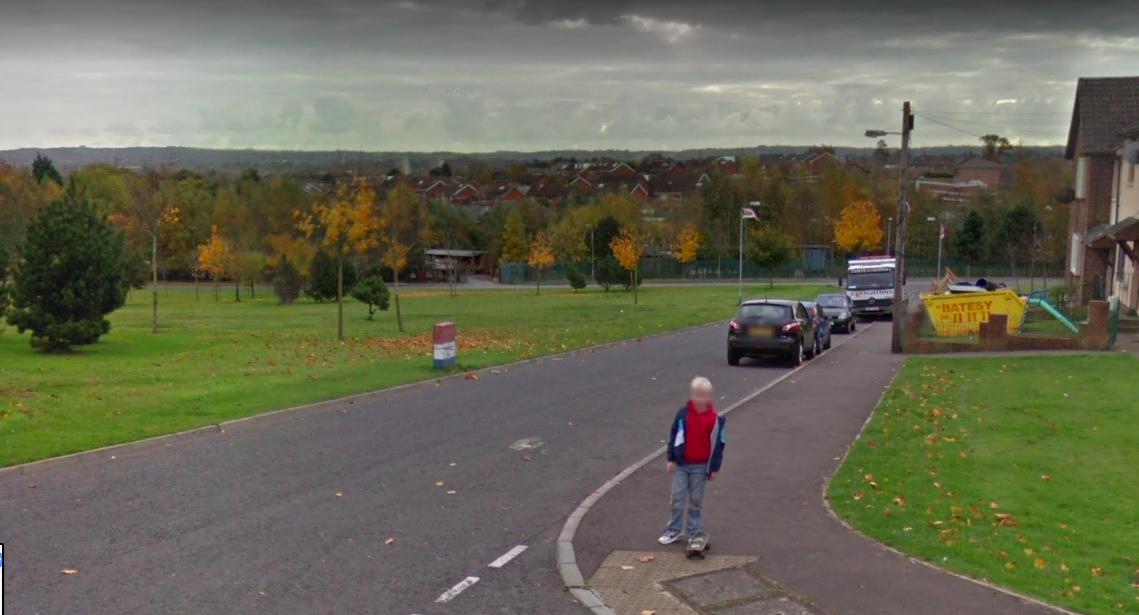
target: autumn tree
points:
(859, 227)
(345, 225)
(541, 256)
(69, 278)
(688, 241)
(216, 258)
(627, 249)
(402, 229)
(514, 248)
(770, 248)
(395, 258)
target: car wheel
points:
(797, 354)
(733, 358)
(827, 344)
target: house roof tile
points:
(1104, 107)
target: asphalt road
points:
(338, 508)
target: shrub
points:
(575, 277)
(286, 282)
(69, 277)
(372, 291)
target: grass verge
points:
(1019, 470)
(214, 361)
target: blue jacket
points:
(676, 438)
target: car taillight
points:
(791, 327)
(734, 326)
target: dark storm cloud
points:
(444, 74)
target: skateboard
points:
(698, 546)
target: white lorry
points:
(870, 286)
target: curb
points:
(19, 468)
(850, 528)
(566, 557)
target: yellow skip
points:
(963, 313)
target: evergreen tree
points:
(286, 281)
(607, 230)
(43, 168)
(322, 277)
(575, 277)
(70, 277)
(372, 291)
(969, 241)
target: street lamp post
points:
(889, 229)
(745, 214)
(592, 265)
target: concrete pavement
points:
(768, 505)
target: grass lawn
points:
(1020, 470)
(214, 361)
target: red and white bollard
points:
(444, 345)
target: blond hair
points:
(700, 383)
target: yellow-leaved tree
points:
(216, 257)
(859, 227)
(627, 248)
(402, 228)
(541, 255)
(348, 223)
(688, 241)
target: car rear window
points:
(832, 300)
(765, 312)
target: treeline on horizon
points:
(256, 217)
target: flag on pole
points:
(941, 231)
(747, 213)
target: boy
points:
(695, 452)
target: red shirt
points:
(698, 434)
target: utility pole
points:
(592, 261)
(889, 232)
(900, 237)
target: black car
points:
(765, 328)
(839, 311)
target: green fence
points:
(666, 268)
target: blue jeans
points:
(688, 483)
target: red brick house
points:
(1103, 110)
(982, 170)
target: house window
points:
(1076, 258)
(1081, 177)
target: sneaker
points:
(670, 537)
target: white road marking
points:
(506, 557)
(459, 588)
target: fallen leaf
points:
(900, 501)
(648, 612)
(452, 464)
(1039, 562)
(451, 492)
(1097, 571)
(339, 494)
(389, 541)
(471, 376)
(1045, 477)
(626, 567)
(646, 558)
(69, 571)
(438, 483)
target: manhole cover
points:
(720, 587)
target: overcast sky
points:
(527, 75)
